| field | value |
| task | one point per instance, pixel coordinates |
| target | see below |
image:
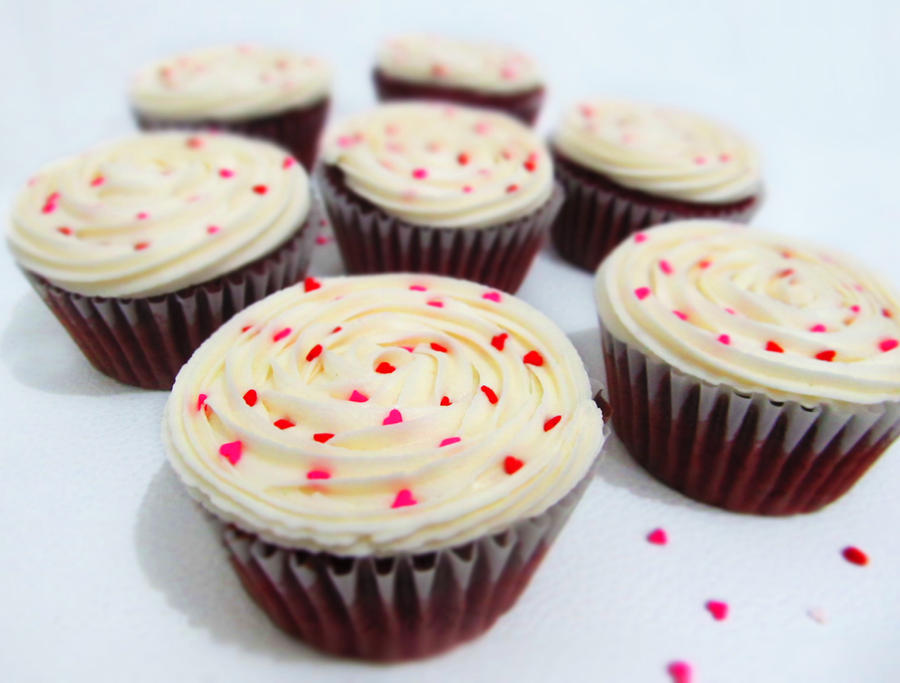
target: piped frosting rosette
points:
(450, 62)
(661, 151)
(442, 165)
(382, 414)
(755, 311)
(230, 82)
(157, 212)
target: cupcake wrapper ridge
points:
(740, 451)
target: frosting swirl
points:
(439, 60)
(229, 83)
(441, 165)
(156, 212)
(663, 152)
(382, 414)
(755, 311)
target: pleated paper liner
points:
(371, 241)
(524, 105)
(145, 341)
(598, 214)
(402, 607)
(739, 451)
(296, 130)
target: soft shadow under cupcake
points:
(40, 354)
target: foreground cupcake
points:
(441, 189)
(420, 66)
(271, 94)
(748, 370)
(144, 246)
(394, 455)
(626, 166)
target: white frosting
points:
(441, 165)
(438, 60)
(663, 152)
(229, 83)
(383, 483)
(798, 322)
(157, 212)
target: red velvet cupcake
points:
(626, 166)
(747, 370)
(259, 92)
(435, 188)
(488, 75)
(143, 247)
(391, 456)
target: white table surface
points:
(109, 573)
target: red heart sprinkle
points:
(449, 441)
(440, 348)
(231, 451)
(336, 329)
(704, 264)
(491, 396)
(530, 165)
(140, 246)
(462, 159)
(491, 296)
(194, 143)
(818, 327)
(284, 423)
(666, 267)
(511, 465)
(318, 474)
(855, 556)
(246, 327)
(787, 272)
(281, 334)
(498, 341)
(384, 368)
(642, 293)
(533, 358)
(201, 399)
(718, 609)
(98, 181)
(65, 230)
(393, 417)
(512, 188)
(310, 283)
(888, 344)
(680, 672)
(826, 355)
(322, 437)
(250, 397)
(358, 397)
(260, 189)
(886, 313)
(552, 422)
(404, 499)
(314, 352)
(775, 347)
(658, 537)
(445, 401)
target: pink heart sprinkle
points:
(666, 267)
(358, 397)
(855, 308)
(718, 609)
(888, 344)
(420, 173)
(642, 293)
(467, 189)
(394, 417)
(231, 451)
(418, 288)
(640, 237)
(142, 215)
(818, 327)
(680, 314)
(730, 311)
(724, 339)
(408, 348)
(212, 229)
(436, 303)
(404, 499)
(98, 181)
(322, 240)
(491, 296)
(318, 474)
(658, 537)
(449, 441)
(281, 334)
(201, 400)
(680, 672)
(288, 162)
(226, 172)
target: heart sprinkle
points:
(642, 293)
(318, 474)
(498, 341)
(358, 397)
(826, 355)
(658, 537)
(310, 283)
(855, 556)
(681, 672)
(888, 345)
(449, 441)
(385, 368)
(393, 417)
(404, 499)
(284, 423)
(552, 422)
(491, 296)
(314, 352)
(281, 334)
(322, 437)
(440, 348)
(231, 451)
(533, 358)
(775, 347)
(201, 399)
(511, 464)
(260, 189)
(491, 396)
(718, 609)
(250, 397)
(445, 401)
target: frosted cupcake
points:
(421, 66)
(626, 166)
(144, 246)
(394, 454)
(437, 188)
(260, 92)
(748, 370)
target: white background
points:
(108, 573)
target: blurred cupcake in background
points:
(392, 456)
(438, 188)
(626, 166)
(421, 66)
(260, 92)
(746, 369)
(144, 246)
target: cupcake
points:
(747, 370)
(391, 456)
(442, 189)
(263, 93)
(626, 166)
(431, 67)
(144, 246)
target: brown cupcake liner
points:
(524, 105)
(297, 130)
(740, 451)
(401, 607)
(371, 241)
(598, 214)
(145, 341)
